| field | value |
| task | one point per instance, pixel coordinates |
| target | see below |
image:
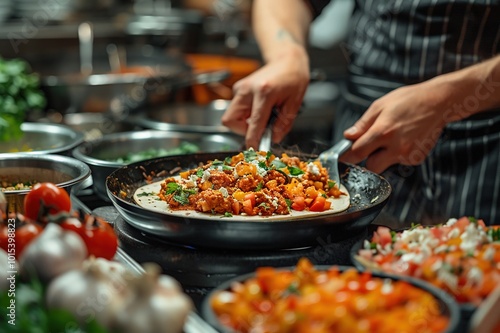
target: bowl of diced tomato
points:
(460, 256)
(308, 298)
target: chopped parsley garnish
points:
(263, 165)
(199, 173)
(294, 171)
(250, 155)
(227, 160)
(494, 233)
(228, 214)
(259, 186)
(181, 195)
(268, 155)
(293, 289)
(278, 164)
(172, 187)
(146, 194)
(331, 184)
(263, 204)
(472, 219)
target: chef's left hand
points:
(401, 127)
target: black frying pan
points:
(369, 193)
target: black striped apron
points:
(398, 42)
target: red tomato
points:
(248, 207)
(298, 203)
(4, 237)
(250, 196)
(25, 234)
(318, 204)
(22, 236)
(97, 234)
(45, 199)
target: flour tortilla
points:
(146, 196)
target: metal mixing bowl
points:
(42, 139)
(183, 117)
(101, 155)
(66, 172)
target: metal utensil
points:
(485, 317)
(330, 158)
(266, 139)
(86, 40)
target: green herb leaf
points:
(172, 187)
(250, 155)
(199, 173)
(278, 164)
(294, 171)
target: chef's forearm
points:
(472, 90)
(281, 27)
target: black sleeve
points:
(317, 6)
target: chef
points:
(421, 104)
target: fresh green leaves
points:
(180, 194)
(19, 93)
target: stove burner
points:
(207, 268)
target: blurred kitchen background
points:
(120, 65)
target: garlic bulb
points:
(54, 252)
(89, 293)
(155, 304)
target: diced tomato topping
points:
(248, 207)
(382, 236)
(250, 196)
(318, 204)
(298, 204)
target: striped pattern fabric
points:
(399, 42)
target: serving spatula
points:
(330, 159)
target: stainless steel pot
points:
(66, 172)
(148, 76)
(42, 139)
(183, 117)
(101, 155)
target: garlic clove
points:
(54, 252)
(155, 304)
(90, 293)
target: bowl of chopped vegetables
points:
(43, 138)
(460, 256)
(116, 150)
(19, 172)
(308, 298)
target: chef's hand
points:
(281, 83)
(400, 127)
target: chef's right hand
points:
(282, 82)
